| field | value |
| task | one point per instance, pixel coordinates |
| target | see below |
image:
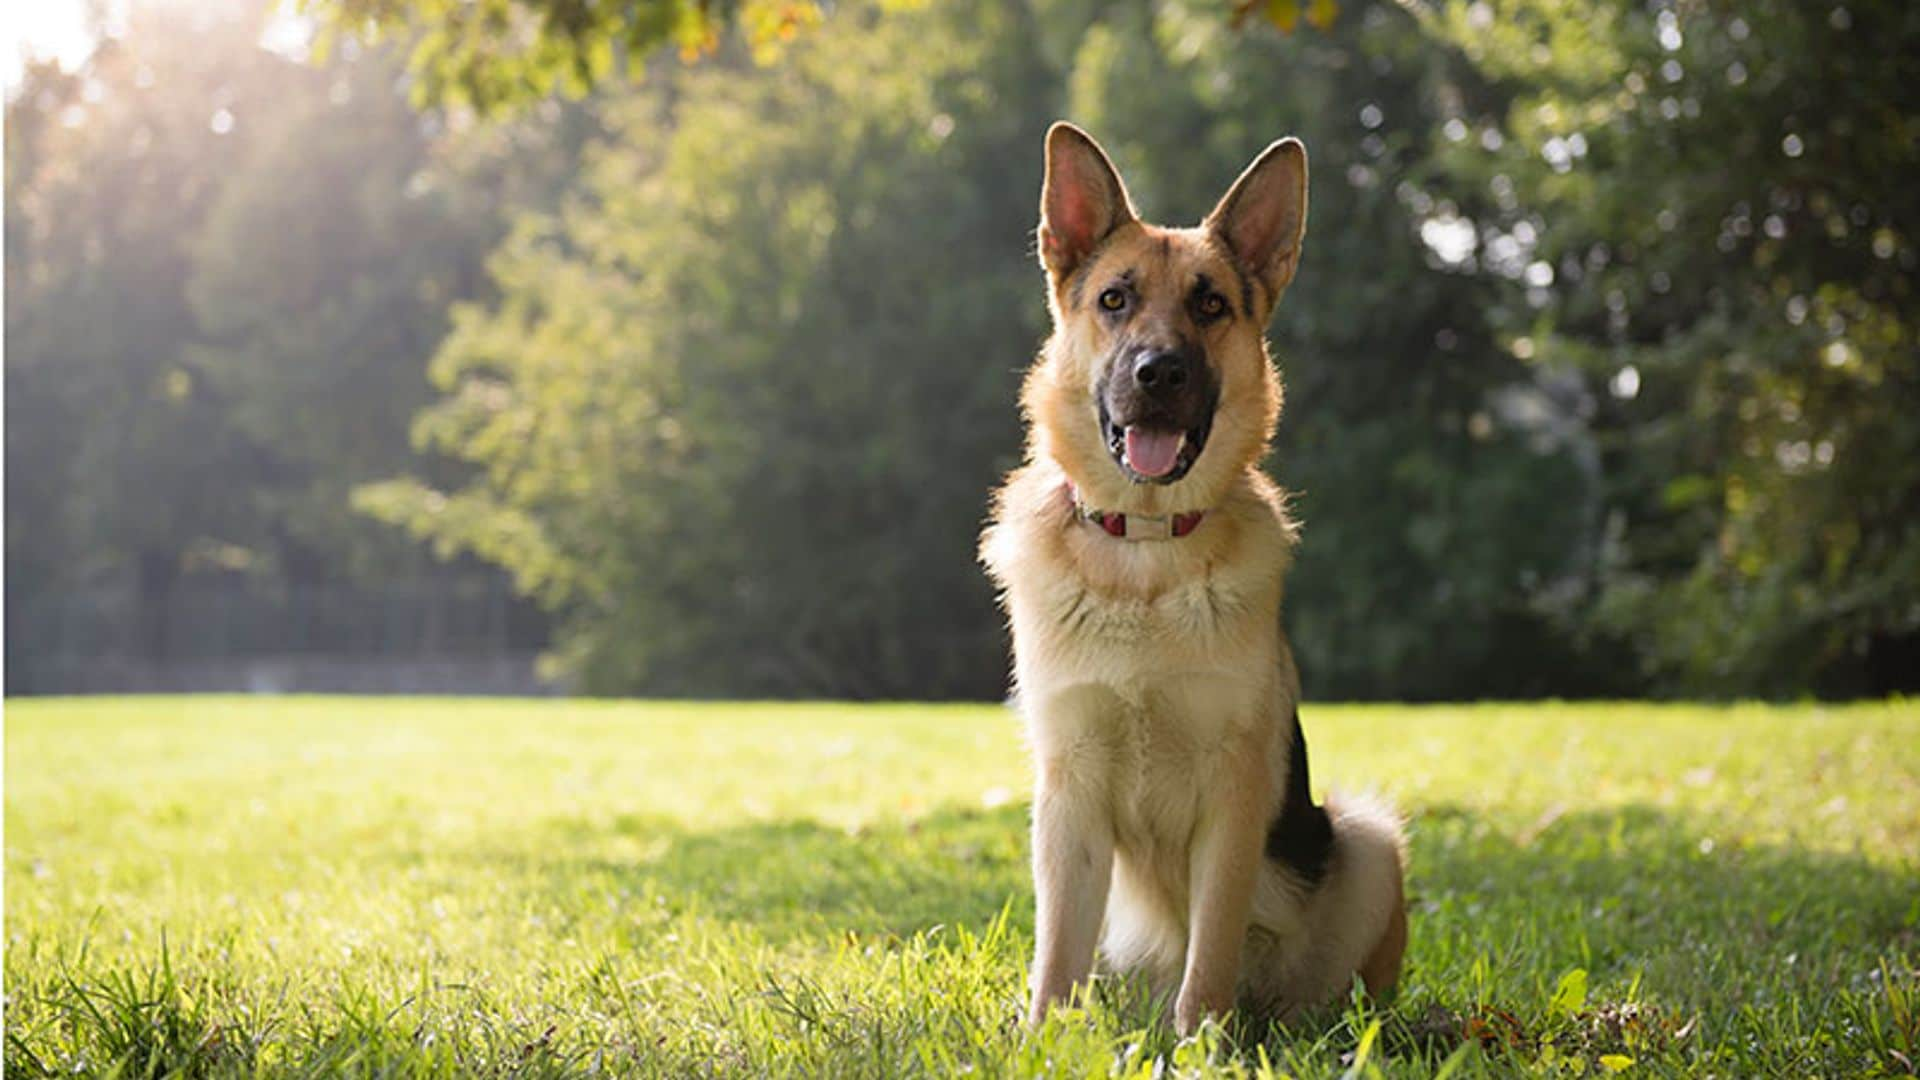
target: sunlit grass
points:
(447, 887)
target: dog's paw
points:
(1194, 1009)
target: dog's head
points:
(1155, 390)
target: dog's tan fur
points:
(1157, 686)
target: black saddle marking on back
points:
(1301, 837)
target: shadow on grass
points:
(1685, 934)
(1623, 887)
(1591, 888)
(1702, 952)
(1677, 929)
(798, 879)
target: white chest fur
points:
(1132, 700)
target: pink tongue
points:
(1152, 453)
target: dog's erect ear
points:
(1081, 201)
(1263, 217)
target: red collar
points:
(1136, 526)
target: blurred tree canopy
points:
(741, 401)
(490, 55)
(493, 53)
(1601, 366)
(1416, 576)
(1709, 211)
(111, 438)
(224, 269)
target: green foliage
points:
(111, 433)
(494, 55)
(1709, 211)
(737, 409)
(740, 404)
(1437, 527)
(316, 345)
(224, 271)
(324, 887)
(500, 53)
(1575, 405)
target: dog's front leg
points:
(1072, 867)
(1225, 866)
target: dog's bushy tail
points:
(1369, 839)
(1351, 922)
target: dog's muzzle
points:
(1156, 410)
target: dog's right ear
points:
(1081, 201)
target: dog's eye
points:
(1213, 305)
(1113, 300)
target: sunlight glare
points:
(56, 29)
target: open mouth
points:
(1153, 453)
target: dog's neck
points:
(1134, 527)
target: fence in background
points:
(431, 635)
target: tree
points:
(39, 431)
(112, 435)
(317, 342)
(1710, 212)
(225, 272)
(1440, 523)
(740, 405)
(499, 54)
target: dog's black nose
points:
(1161, 372)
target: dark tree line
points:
(225, 268)
(1601, 364)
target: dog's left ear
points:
(1263, 217)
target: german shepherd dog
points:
(1140, 554)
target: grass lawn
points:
(419, 887)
